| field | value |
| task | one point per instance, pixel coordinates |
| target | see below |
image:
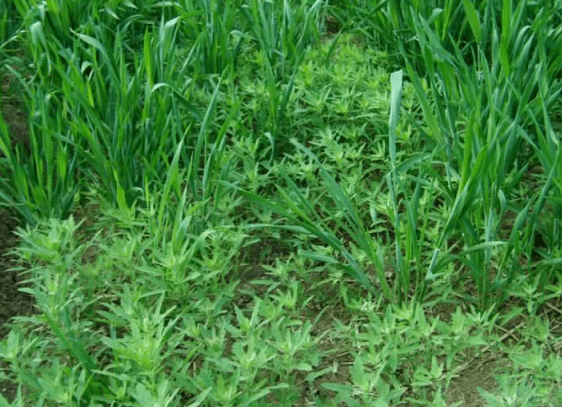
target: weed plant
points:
(235, 204)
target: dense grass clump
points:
(254, 203)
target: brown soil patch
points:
(464, 388)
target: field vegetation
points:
(281, 203)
